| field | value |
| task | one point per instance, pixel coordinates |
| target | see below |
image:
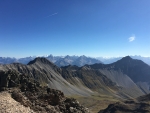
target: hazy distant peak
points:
(50, 55)
(83, 56)
(67, 57)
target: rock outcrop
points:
(138, 105)
(41, 99)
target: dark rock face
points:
(9, 79)
(31, 94)
(137, 70)
(139, 105)
(130, 108)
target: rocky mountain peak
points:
(40, 60)
(125, 59)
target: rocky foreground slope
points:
(33, 97)
(9, 105)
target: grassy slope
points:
(96, 102)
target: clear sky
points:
(74, 27)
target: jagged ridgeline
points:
(30, 93)
(126, 78)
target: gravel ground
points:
(9, 105)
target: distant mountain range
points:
(58, 60)
(126, 78)
(74, 60)
(71, 60)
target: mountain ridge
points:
(97, 77)
(41, 60)
(68, 60)
(112, 80)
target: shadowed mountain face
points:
(136, 70)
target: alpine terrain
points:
(94, 85)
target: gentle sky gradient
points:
(74, 27)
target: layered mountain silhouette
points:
(71, 60)
(126, 78)
(57, 60)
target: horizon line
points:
(72, 55)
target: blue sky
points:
(74, 27)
